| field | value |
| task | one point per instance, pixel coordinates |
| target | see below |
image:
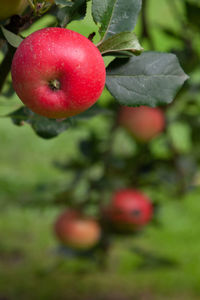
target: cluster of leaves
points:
(183, 114)
(133, 79)
(170, 160)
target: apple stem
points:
(54, 85)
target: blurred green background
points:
(31, 266)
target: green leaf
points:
(44, 127)
(49, 128)
(124, 43)
(13, 39)
(159, 147)
(73, 12)
(151, 79)
(180, 136)
(115, 16)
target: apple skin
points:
(143, 122)
(129, 210)
(77, 231)
(63, 56)
(9, 8)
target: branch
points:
(15, 25)
(5, 65)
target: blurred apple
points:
(143, 122)
(129, 210)
(77, 231)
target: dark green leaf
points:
(115, 16)
(21, 115)
(13, 39)
(49, 128)
(44, 127)
(151, 79)
(69, 13)
(124, 43)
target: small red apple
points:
(129, 210)
(57, 72)
(77, 231)
(143, 122)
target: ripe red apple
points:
(129, 210)
(57, 72)
(77, 231)
(143, 122)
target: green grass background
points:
(30, 267)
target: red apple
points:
(77, 231)
(57, 72)
(143, 122)
(129, 210)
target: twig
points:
(15, 25)
(5, 65)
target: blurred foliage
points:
(84, 165)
